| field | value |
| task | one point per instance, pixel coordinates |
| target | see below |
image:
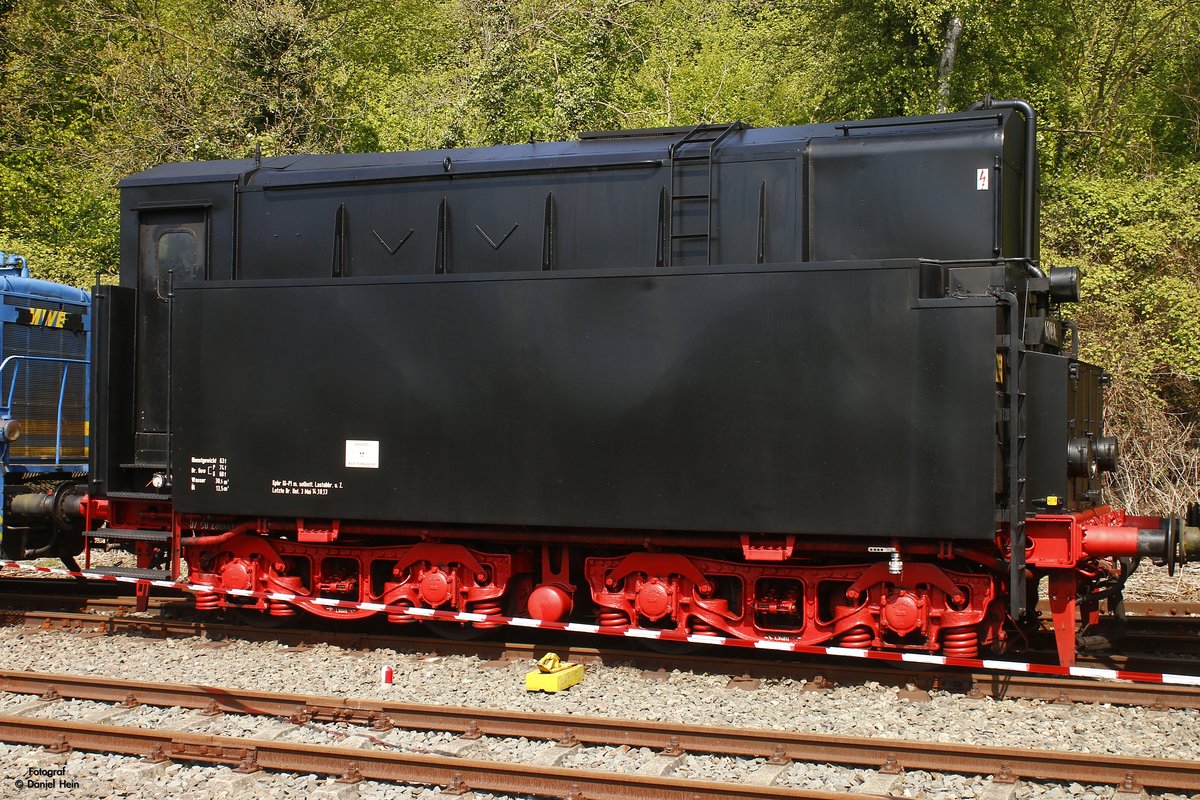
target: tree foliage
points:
(1138, 242)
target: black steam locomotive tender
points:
(805, 384)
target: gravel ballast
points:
(869, 710)
(617, 691)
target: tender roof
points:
(596, 150)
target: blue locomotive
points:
(45, 349)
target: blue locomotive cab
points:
(45, 347)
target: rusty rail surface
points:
(1167, 774)
(458, 774)
(1171, 609)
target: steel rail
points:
(249, 755)
(1175, 609)
(1177, 643)
(1153, 615)
(120, 606)
(953, 757)
(763, 665)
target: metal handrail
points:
(62, 390)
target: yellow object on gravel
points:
(553, 675)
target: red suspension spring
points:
(399, 617)
(859, 638)
(702, 628)
(961, 642)
(612, 618)
(278, 608)
(208, 601)
(492, 608)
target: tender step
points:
(129, 535)
(166, 498)
(132, 572)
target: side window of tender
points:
(175, 253)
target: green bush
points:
(1137, 241)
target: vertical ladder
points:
(692, 190)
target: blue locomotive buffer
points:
(45, 351)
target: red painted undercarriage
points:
(925, 596)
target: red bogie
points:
(922, 596)
(853, 604)
(422, 575)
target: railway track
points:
(820, 673)
(1183, 638)
(560, 733)
(457, 775)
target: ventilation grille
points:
(35, 392)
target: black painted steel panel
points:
(581, 220)
(1062, 403)
(112, 399)
(914, 193)
(1045, 383)
(809, 398)
(889, 189)
(882, 192)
